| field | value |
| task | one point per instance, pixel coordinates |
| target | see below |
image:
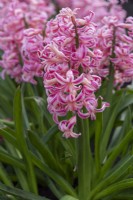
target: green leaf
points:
(4, 176)
(54, 188)
(119, 169)
(63, 184)
(51, 132)
(7, 122)
(122, 130)
(45, 152)
(126, 195)
(127, 101)
(107, 131)
(114, 175)
(36, 112)
(115, 188)
(38, 108)
(4, 103)
(21, 176)
(7, 158)
(118, 149)
(20, 193)
(20, 135)
(67, 197)
(9, 137)
(18, 118)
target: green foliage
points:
(33, 154)
(67, 197)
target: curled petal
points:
(67, 126)
(129, 72)
(79, 79)
(71, 134)
(62, 99)
(80, 97)
(83, 115)
(72, 122)
(104, 105)
(60, 79)
(31, 32)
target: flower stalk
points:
(84, 159)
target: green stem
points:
(109, 93)
(84, 159)
(110, 84)
(97, 148)
(109, 97)
(76, 32)
(98, 132)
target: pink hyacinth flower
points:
(66, 126)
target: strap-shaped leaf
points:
(6, 158)
(68, 197)
(20, 193)
(20, 136)
(109, 127)
(115, 188)
(114, 175)
(45, 152)
(10, 138)
(127, 101)
(128, 138)
(52, 131)
(63, 184)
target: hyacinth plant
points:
(66, 101)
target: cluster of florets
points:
(72, 54)
(100, 7)
(15, 17)
(69, 57)
(32, 67)
(115, 39)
